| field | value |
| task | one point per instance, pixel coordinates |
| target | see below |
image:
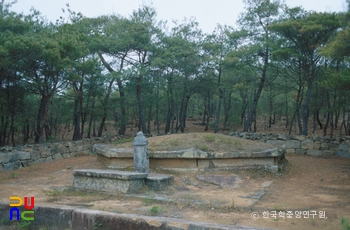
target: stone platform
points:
(193, 159)
(118, 181)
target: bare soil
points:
(309, 184)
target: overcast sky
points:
(208, 13)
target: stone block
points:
(49, 159)
(307, 144)
(8, 166)
(324, 145)
(342, 153)
(55, 149)
(80, 150)
(27, 163)
(57, 156)
(282, 137)
(316, 137)
(290, 151)
(35, 154)
(17, 165)
(333, 146)
(187, 153)
(276, 143)
(46, 153)
(271, 169)
(19, 148)
(327, 152)
(298, 137)
(39, 161)
(158, 182)
(14, 156)
(72, 147)
(23, 155)
(300, 151)
(1, 168)
(4, 157)
(317, 144)
(292, 144)
(66, 155)
(314, 152)
(343, 147)
(109, 180)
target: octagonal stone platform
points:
(193, 159)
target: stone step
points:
(119, 181)
(109, 180)
(158, 181)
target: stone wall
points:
(313, 145)
(21, 156)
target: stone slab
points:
(187, 153)
(4, 157)
(8, 166)
(236, 162)
(35, 154)
(342, 153)
(173, 163)
(231, 181)
(314, 152)
(39, 161)
(108, 180)
(23, 155)
(266, 184)
(307, 144)
(110, 152)
(107, 184)
(293, 144)
(255, 194)
(276, 143)
(111, 174)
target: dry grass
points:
(203, 141)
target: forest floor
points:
(309, 184)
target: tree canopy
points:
(83, 74)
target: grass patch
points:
(84, 195)
(203, 141)
(148, 200)
(156, 211)
(345, 224)
(210, 138)
(13, 175)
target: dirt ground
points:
(310, 184)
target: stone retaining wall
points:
(311, 145)
(21, 156)
(65, 217)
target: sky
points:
(207, 13)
